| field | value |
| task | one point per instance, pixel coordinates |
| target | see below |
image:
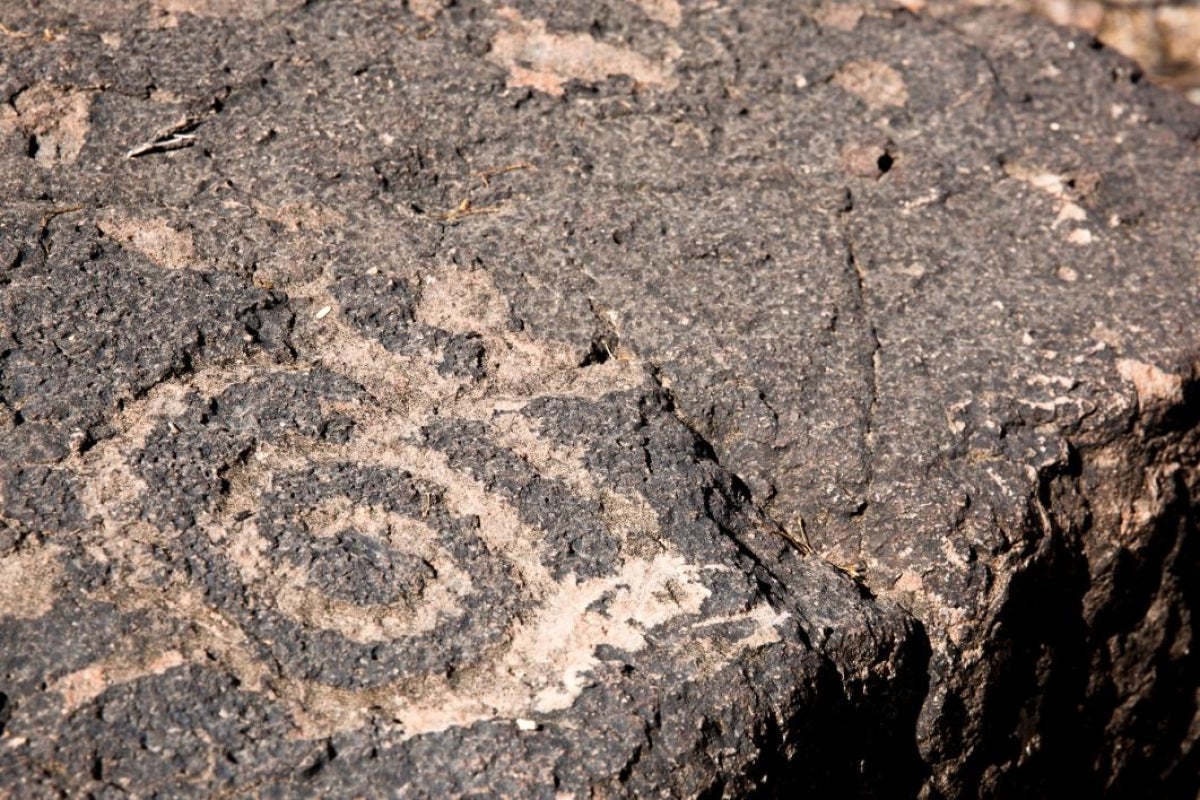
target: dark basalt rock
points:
(573, 398)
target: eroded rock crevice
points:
(1088, 672)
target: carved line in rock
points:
(551, 628)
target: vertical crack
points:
(872, 366)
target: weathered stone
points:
(574, 397)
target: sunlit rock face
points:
(568, 399)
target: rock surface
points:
(569, 398)
(1163, 36)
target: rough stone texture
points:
(614, 398)
(1163, 36)
(252, 550)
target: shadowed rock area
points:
(568, 399)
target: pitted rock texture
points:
(565, 399)
(248, 549)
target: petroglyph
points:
(336, 514)
(82, 685)
(28, 581)
(323, 512)
(153, 238)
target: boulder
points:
(558, 399)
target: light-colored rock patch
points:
(545, 61)
(875, 83)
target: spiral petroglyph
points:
(379, 538)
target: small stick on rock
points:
(487, 174)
